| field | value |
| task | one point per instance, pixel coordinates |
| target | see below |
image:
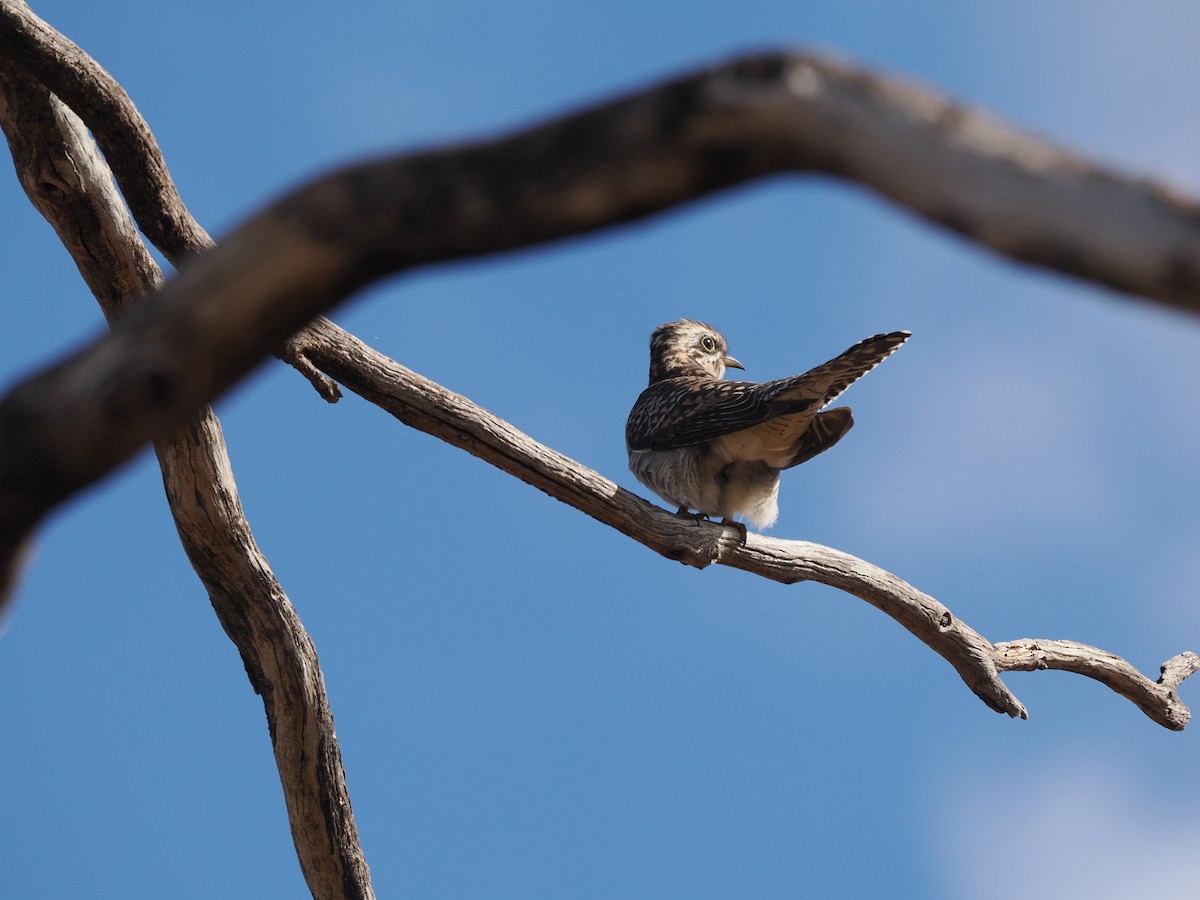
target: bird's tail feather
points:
(829, 380)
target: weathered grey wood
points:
(1157, 699)
(434, 409)
(125, 137)
(623, 160)
(69, 183)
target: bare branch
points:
(617, 162)
(70, 184)
(431, 408)
(953, 165)
(119, 129)
(294, 355)
(623, 160)
(1178, 668)
(1157, 699)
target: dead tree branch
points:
(69, 183)
(1157, 699)
(124, 136)
(429, 407)
(759, 115)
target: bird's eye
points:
(708, 344)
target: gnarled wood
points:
(69, 183)
(127, 141)
(956, 166)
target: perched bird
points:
(718, 446)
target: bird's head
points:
(688, 348)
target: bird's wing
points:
(789, 440)
(828, 381)
(679, 412)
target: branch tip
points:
(295, 354)
(1178, 668)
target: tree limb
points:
(429, 407)
(1157, 699)
(126, 139)
(71, 186)
(955, 166)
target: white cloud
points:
(1076, 827)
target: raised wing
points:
(679, 412)
(829, 381)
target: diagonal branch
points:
(431, 408)
(71, 186)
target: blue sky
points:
(530, 705)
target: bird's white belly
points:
(708, 482)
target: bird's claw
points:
(684, 513)
(697, 517)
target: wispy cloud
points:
(1072, 828)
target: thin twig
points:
(1157, 699)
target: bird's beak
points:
(731, 363)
